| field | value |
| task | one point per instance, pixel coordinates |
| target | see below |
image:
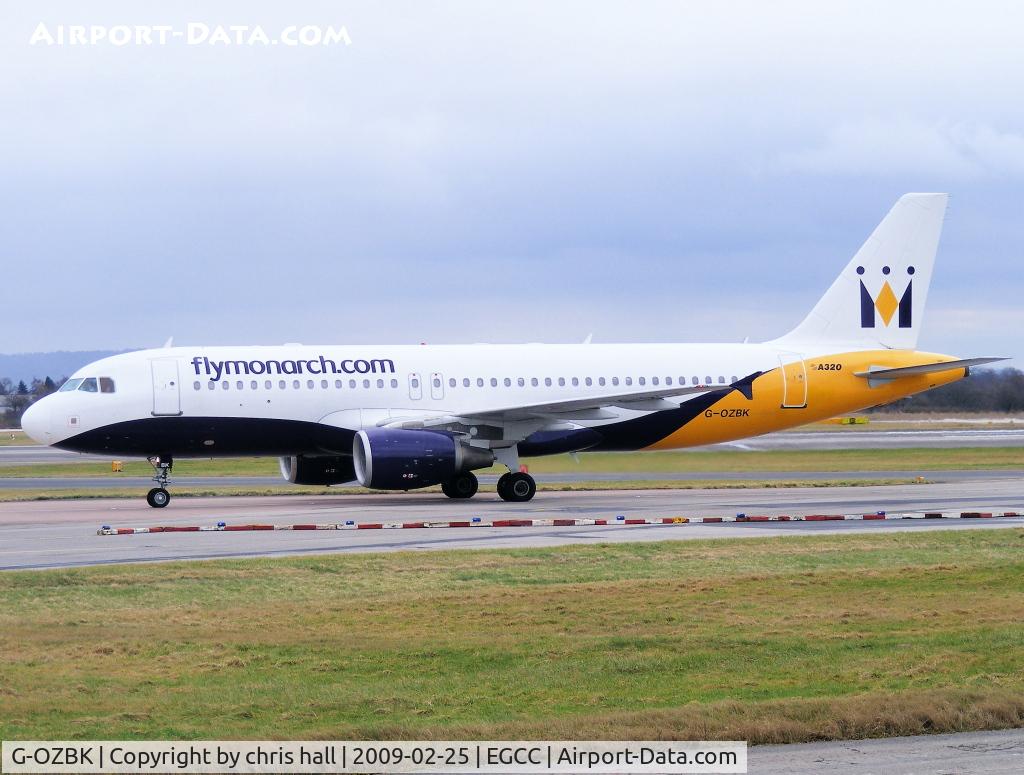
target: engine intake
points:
(298, 469)
(405, 460)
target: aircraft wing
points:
(884, 373)
(594, 407)
(647, 400)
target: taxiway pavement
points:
(996, 753)
(62, 533)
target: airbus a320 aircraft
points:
(403, 417)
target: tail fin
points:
(878, 299)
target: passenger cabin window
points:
(89, 385)
(106, 385)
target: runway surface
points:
(999, 753)
(842, 439)
(55, 534)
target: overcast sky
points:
(502, 171)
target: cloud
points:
(875, 146)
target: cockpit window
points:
(88, 385)
(106, 385)
(71, 384)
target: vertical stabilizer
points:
(878, 299)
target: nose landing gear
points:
(158, 497)
(516, 486)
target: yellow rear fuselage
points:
(807, 391)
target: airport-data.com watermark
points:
(189, 34)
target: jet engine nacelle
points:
(404, 460)
(299, 469)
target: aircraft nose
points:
(36, 422)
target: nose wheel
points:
(159, 497)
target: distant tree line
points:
(986, 390)
(16, 398)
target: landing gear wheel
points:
(158, 497)
(462, 486)
(502, 484)
(518, 488)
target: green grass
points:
(882, 460)
(12, 438)
(763, 639)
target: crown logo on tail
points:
(886, 305)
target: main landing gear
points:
(514, 487)
(462, 486)
(158, 497)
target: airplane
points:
(406, 417)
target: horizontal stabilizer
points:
(882, 373)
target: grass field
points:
(14, 437)
(762, 639)
(784, 461)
